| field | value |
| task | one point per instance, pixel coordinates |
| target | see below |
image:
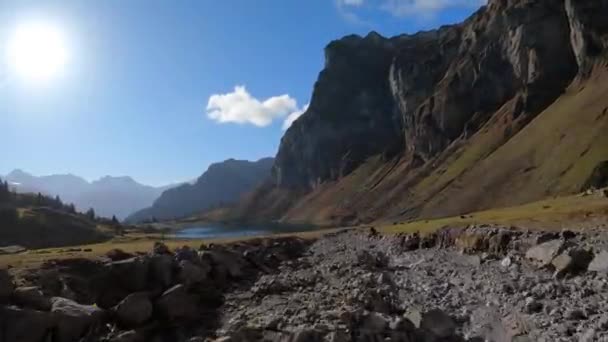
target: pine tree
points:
(115, 220)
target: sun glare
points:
(37, 51)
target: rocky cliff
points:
(396, 124)
(222, 184)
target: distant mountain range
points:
(108, 196)
(222, 184)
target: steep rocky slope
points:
(505, 108)
(222, 184)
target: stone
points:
(306, 335)
(545, 252)
(226, 262)
(532, 305)
(24, 325)
(438, 323)
(31, 297)
(573, 261)
(161, 270)
(599, 263)
(134, 310)
(374, 321)
(15, 249)
(130, 274)
(128, 336)
(576, 315)
(160, 249)
(6, 285)
(117, 254)
(176, 304)
(185, 253)
(414, 316)
(191, 273)
(506, 262)
(74, 320)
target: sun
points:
(36, 51)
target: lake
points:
(218, 231)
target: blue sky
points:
(158, 90)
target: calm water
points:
(207, 232)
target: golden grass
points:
(132, 243)
(572, 212)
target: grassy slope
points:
(43, 227)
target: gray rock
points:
(74, 320)
(573, 261)
(228, 262)
(22, 325)
(506, 262)
(135, 309)
(12, 249)
(161, 270)
(438, 323)
(599, 263)
(544, 253)
(192, 273)
(32, 297)
(176, 304)
(6, 285)
(130, 274)
(128, 336)
(532, 305)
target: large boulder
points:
(23, 325)
(438, 324)
(177, 304)
(6, 285)
(227, 262)
(117, 254)
(161, 271)
(131, 274)
(74, 320)
(599, 263)
(545, 252)
(134, 310)
(191, 273)
(573, 261)
(31, 297)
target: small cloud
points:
(293, 117)
(426, 8)
(404, 8)
(355, 3)
(242, 108)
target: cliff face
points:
(351, 115)
(408, 119)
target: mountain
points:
(109, 196)
(222, 184)
(505, 108)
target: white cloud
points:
(242, 108)
(293, 116)
(411, 8)
(406, 8)
(351, 2)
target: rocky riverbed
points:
(476, 284)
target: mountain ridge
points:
(447, 121)
(108, 195)
(221, 184)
